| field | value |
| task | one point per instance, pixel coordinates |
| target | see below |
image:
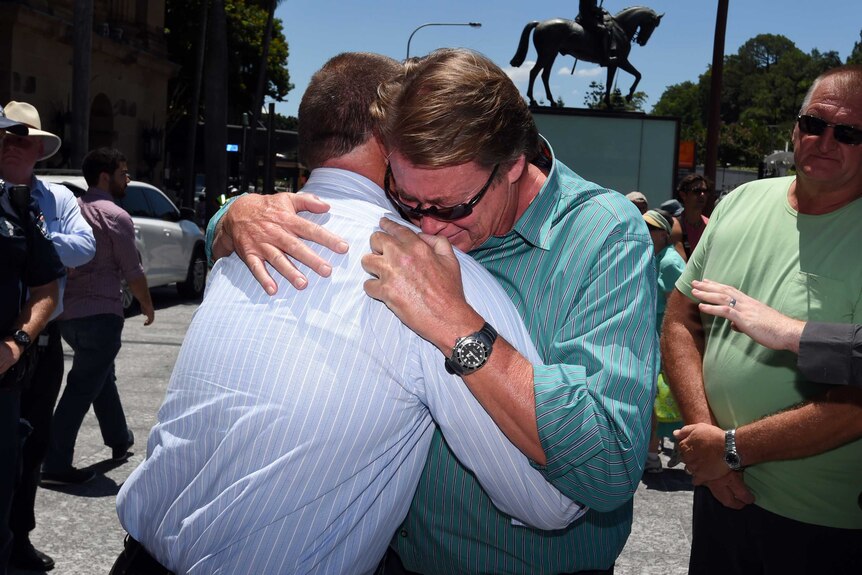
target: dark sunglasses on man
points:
(841, 132)
(448, 214)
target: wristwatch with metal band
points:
(731, 456)
(471, 351)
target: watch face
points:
(21, 338)
(732, 460)
(471, 354)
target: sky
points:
(679, 50)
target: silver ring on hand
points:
(732, 302)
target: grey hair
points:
(850, 82)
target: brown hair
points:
(455, 106)
(335, 111)
(101, 160)
(692, 181)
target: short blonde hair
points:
(452, 107)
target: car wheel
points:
(196, 278)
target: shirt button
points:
(403, 533)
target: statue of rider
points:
(592, 17)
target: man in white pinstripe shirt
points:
(295, 427)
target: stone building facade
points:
(129, 77)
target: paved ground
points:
(79, 527)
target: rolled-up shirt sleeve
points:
(593, 406)
(831, 353)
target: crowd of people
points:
(441, 360)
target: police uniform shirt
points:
(27, 258)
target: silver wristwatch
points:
(731, 456)
(471, 351)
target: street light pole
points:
(471, 24)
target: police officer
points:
(73, 239)
(29, 272)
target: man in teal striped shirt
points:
(467, 165)
(577, 261)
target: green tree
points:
(855, 56)
(764, 84)
(246, 27)
(246, 23)
(595, 99)
(286, 122)
(752, 76)
(688, 102)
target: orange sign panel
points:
(686, 154)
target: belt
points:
(136, 560)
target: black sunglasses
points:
(443, 214)
(842, 132)
(698, 191)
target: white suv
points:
(170, 244)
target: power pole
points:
(714, 123)
(249, 155)
(215, 147)
(191, 146)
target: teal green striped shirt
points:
(579, 267)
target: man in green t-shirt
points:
(777, 457)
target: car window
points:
(162, 207)
(75, 189)
(136, 203)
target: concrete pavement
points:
(78, 526)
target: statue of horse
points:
(567, 37)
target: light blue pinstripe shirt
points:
(70, 233)
(295, 427)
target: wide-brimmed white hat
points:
(11, 125)
(29, 116)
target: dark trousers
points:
(37, 407)
(754, 541)
(391, 565)
(95, 341)
(9, 448)
(135, 560)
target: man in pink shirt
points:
(92, 321)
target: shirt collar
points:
(360, 187)
(38, 189)
(534, 225)
(99, 194)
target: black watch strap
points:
(22, 338)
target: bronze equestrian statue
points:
(568, 37)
